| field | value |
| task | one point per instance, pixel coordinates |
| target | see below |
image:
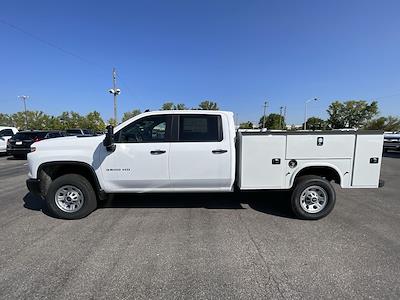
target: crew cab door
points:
(140, 160)
(200, 155)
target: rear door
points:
(200, 157)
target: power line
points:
(61, 49)
(50, 44)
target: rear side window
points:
(6, 132)
(200, 128)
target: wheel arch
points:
(49, 171)
(328, 171)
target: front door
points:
(140, 160)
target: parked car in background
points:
(19, 145)
(391, 141)
(79, 131)
(5, 134)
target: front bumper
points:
(33, 186)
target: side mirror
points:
(108, 141)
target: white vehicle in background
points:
(5, 134)
(200, 151)
(391, 141)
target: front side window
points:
(199, 128)
(147, 129)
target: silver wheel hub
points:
(69, 198)
(313, 199)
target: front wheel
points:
(71, 196)
(313, 198)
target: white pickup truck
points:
(201, 151)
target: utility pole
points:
(280, 117)
(115, 96)
(115, 91)
(305, 111)
(265, 111)
(24, 98)
(284, 113)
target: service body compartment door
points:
(262, 162)
(320, 146)
(367, 160)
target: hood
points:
(69, 142)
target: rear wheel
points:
(71, 196)
(313, 198)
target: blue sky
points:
(237, 53)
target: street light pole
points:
(305, 111)
(24, 98)
(115, 97)
(265, 111)
(115, 91)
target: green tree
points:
(316, 123)
(71, 120)
(54, 123)
(180, 106)
(130, 114)
(93, 121)
(112, 122)
(36, 120)
(351, 114)
(167, 106)
(172, 106)
(6, 120)
(389, 123)
(273, 121)
(246, 125)
(208, 105)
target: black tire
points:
(301, 185)
(77, 181)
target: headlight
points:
(33, 149)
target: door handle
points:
(157, 152)
(219, 151)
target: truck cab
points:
(189, 151)
(200, 151)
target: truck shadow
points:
(268, 202)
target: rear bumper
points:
(33, 186)
(17, 151)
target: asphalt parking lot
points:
(201, 246)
